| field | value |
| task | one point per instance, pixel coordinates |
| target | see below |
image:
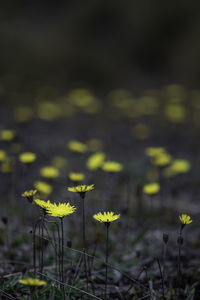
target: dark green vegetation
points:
(141, 264)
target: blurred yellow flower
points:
(60, 210)
(112, 166)
(43, 187)
(106, 217)
(2, 155)
(81, 188)
(77, 146)
(154, 151)
(7, 166)
(23, 114)
(151, 188)
(95, 161)
(27, 157)
(49, 111)
(178, 166)
(185, 219)
(141, 131)
(59, 162)
(49, 172)
(32, 281)
(7, 135)
(175, 113)
(162, 160)
(94, 145)
(76, 176)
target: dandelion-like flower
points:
(151, 188)
(27, 157)
(106, 217)
(112, 166)
(7, 135)
(73, 176)
(32, 281)
(49, 172)
(81, 189)
(60, 210)
(43, 204)
(162, 160)
(185, 219)
(29, 194)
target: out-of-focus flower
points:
(141, 131)
(49, 111)
(23, 114)
(154, 151)
(178, 166)
(151, 188)
(94, 145)
(73, 176)
(2, 155)
(7, 166)
(49, 172)
(43, 187)
(32, 281)
(95, 161)
(7, 135)
(77, 146)
(27, 157)
(59, 162)
(162, 160)
(175, 113)
(112, 166)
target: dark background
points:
(100, 44)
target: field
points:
(136, 156)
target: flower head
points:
(162, 160)
(49, 172)
(81, 189)
(60, 210)
(185, 219)
(29, 194)
(32, 281)
(77, 146)
(2, 155)
(151, 188)
(106, 217)
(27, 157)
(112, 166)
(95, 161)
(43, 204)
(76, 176)
(43, 187)
(7, 135)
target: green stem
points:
(62, 257)
(107, 227)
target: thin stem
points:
(62, 256)
(42, 244)
(161, 275)
(107, 227)
(84, 238)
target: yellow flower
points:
(81, 188)
(77, 146)
(185, 219)
(141, 131)
(27, 157)
(178, 166)
(151, 188)
(154, 151)
(162, 160)
(32, 281)
(42, 203)
(7, 134)
(60, 210)
(49, 172)
(43, 187)
(29, 193)
(76, 176)
(106, 217)
(95, 161)
(175, 113)
(7, 166)
(2, 155)
(112, 166)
